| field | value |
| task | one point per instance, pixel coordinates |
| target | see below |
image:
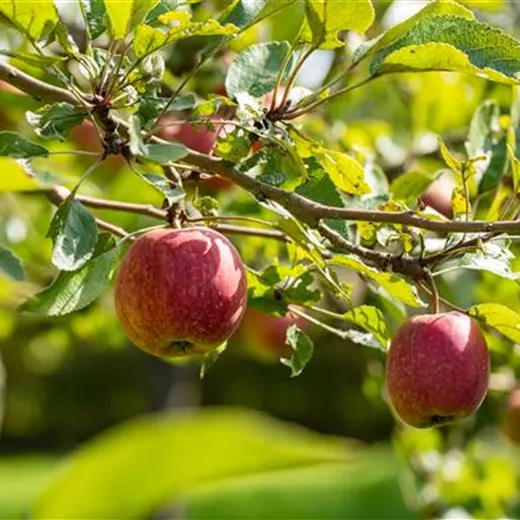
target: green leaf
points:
(74, 290)
(451, 161)
(494, 257)
(344, 171)
(208, 206)
(394, 284)
(186, 451)
(10, 265)
(373, 321)
(74, 233)
(16, 146)
(319, 187)
(498, 317)
(400, 30)
(329, 492)
(119, 16)
(409, 186)
(240, 13)
(255, 70)
(278, 286)
(149, 39)
(173, 194)
(95, 15)
(303, 349)
(34, 60)
(326, 18)
(484, 123)
(35, 19)
(165, 153)
(55, 121)
(453, 43)
(233, 146)
(483, 142)
(151, 107)
(63, 36)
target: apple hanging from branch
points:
(437, 369)
(181, 291)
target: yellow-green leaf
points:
(34, 18)
(372, 320)
(119, 14)
(326, 18)
(460, 205)
(395, 284)
(498, 317)
(451, 161)
(139, 467)
(454, 43)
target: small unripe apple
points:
(438, 195)
(264, 334)
(510, 424)
(181, 292)
(437, 369)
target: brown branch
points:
(241, 230)
(311, 212)
(36, 88)
(58, 194)
(128, 207)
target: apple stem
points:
(435, 292)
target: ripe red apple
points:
(438, 195)
(510, 423)
(264, 334)
(200, 139)
(437, 369)
(181, 292)
(86, 137)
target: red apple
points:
(86, 137)
(264, 334)
(437, 369)
(7, 87)
(181, 292)
(438, 195)
(510, 424)
(200, 139)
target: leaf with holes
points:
(255, 71)
(394, 284)
(74, 233)
(303, 349)
(326, 18)
(16, 146)
(55, 121)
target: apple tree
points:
(259, 154)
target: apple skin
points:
(200, 139)
(510, 423)
(438, 196)
(264, 334)
(437, 369)
(181, 292)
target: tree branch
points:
(36, 88)
(311, 212)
